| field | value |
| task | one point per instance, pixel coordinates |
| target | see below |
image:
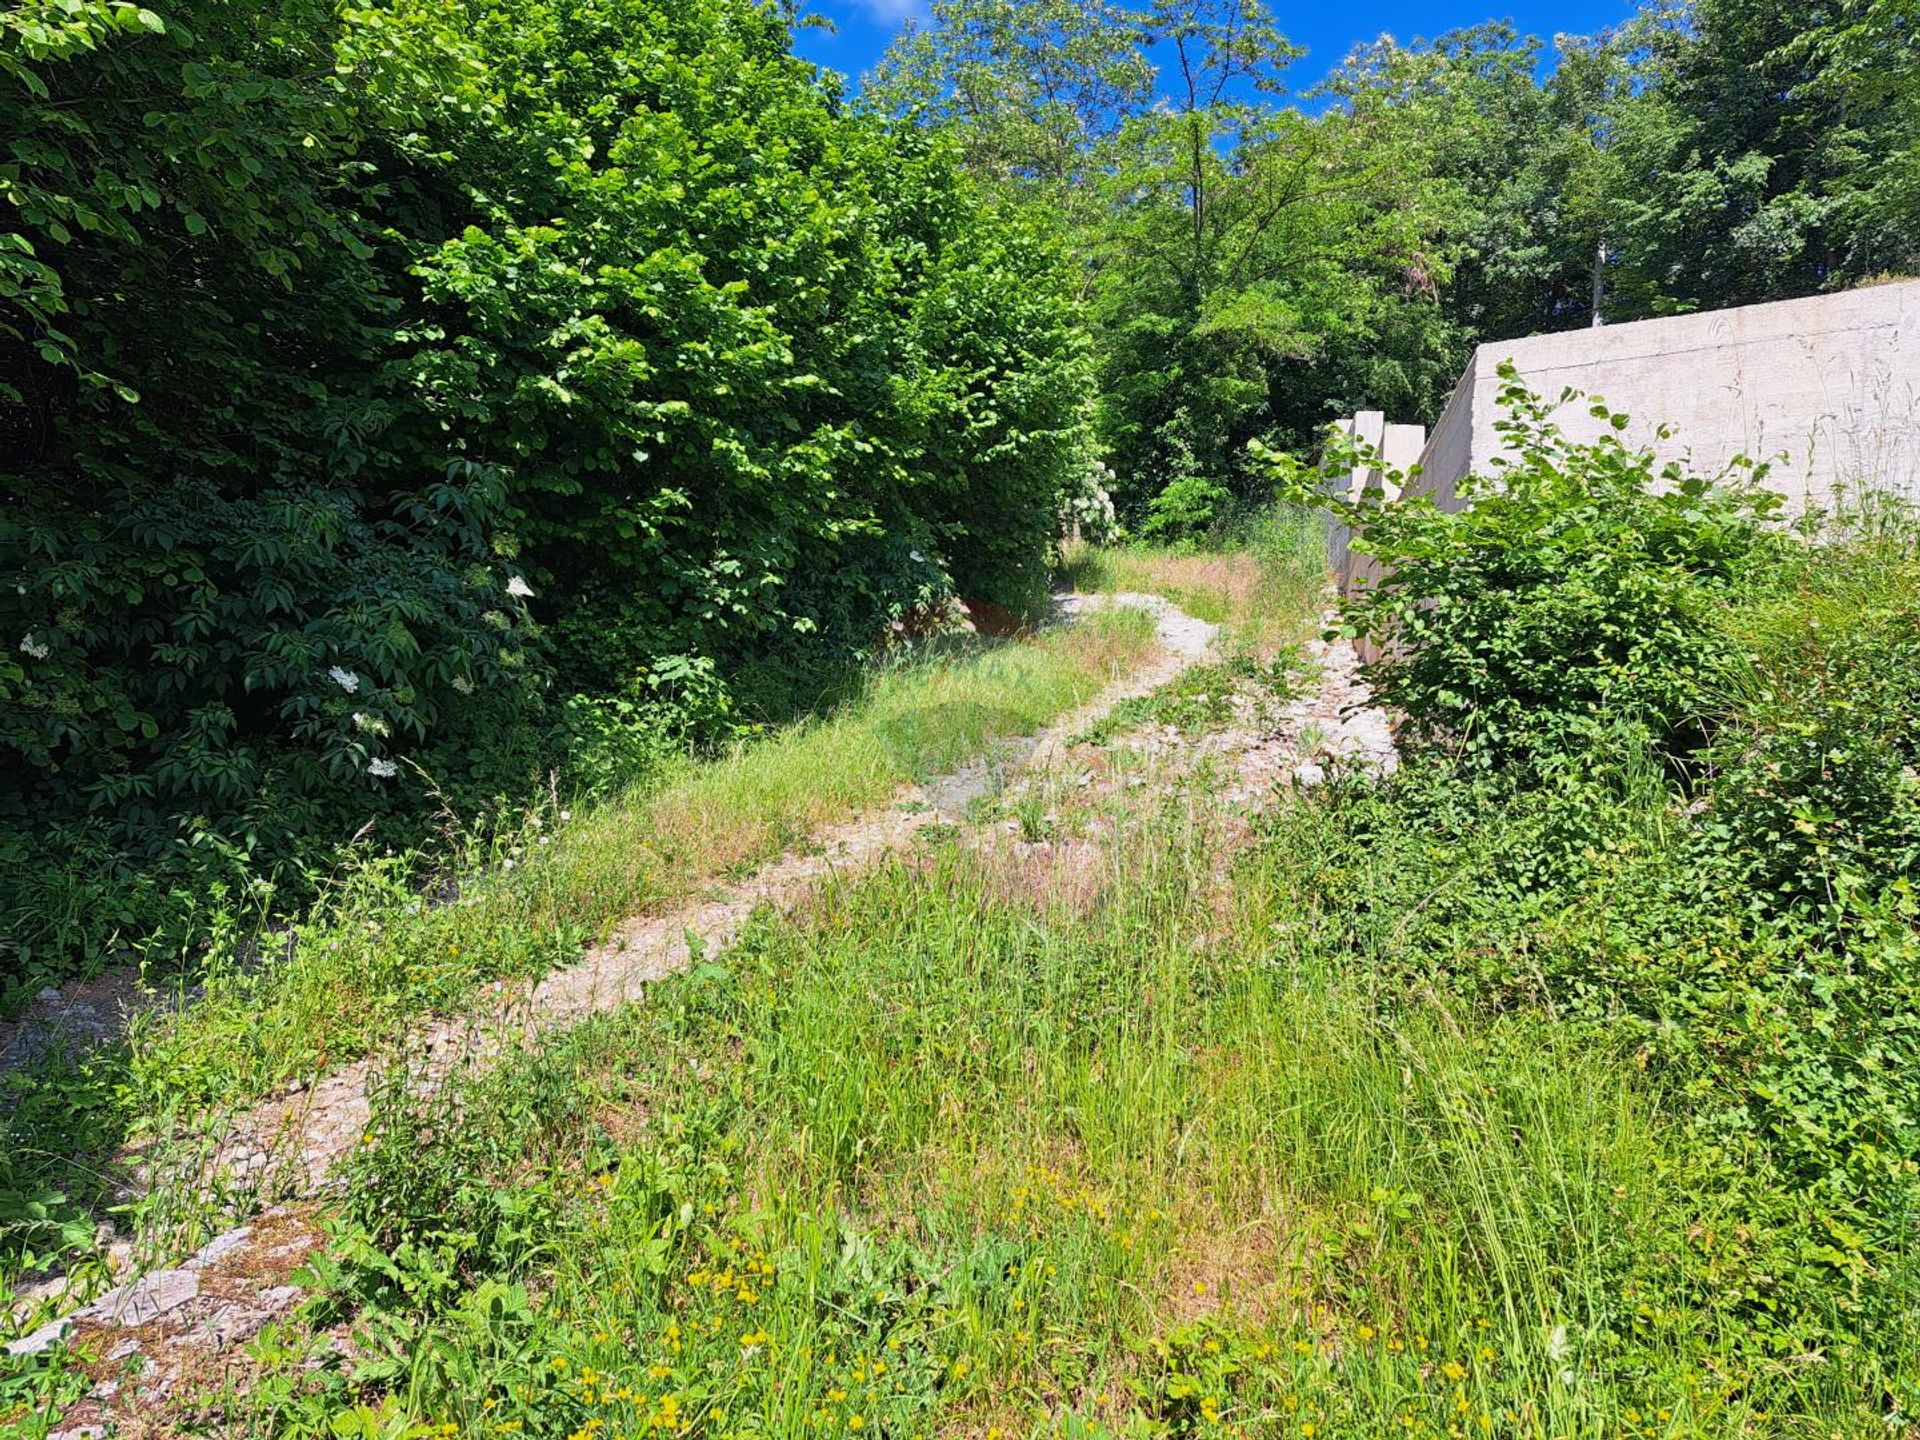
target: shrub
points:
(1815, 750)
(1580, 585)
(1662, 788)
(369, 336)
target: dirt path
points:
(285, 1149)
(294, 1142)
(283, 1154)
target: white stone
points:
(47, 1335)
(220, 1247)
(146, 1299)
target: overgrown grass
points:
(1465, 1103)
(381, 953)
(933, 1163)
(1460, 1104)
(1265, 589)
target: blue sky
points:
(1328, 29)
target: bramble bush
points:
(392, 397)
(1576, 585)
(1661, 785)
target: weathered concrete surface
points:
(1826, 389)
(1368, 428)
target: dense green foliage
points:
(1662, 787)
(1478, 1100)
(1257, 268)
(1574, 590)
(377, 378)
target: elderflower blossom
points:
(382, 768)
(345, 679)
(463, 684)
(35, 647)
(519, 589)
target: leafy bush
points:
(368, 335)
(1663, 789)
(1578, 585)
(1815, 747)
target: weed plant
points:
(932, 1162)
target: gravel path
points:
(287, 1149)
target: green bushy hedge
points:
(377, 377)
(1662, 783)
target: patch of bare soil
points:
(75, 1016)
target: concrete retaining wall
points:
(1826, 389)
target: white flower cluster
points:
(519, 589)
(345, 679)
(1086, 509)
(38, 649)
(382, 769)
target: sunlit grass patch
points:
(384, 952)
(275, 1005)
(1265, 590)
(926, 1161)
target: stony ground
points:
(1044, 808)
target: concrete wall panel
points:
(1825, 389)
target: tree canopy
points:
(379, 377)
(1258, 263)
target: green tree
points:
(1035, 92)
(339, 342)
(1767, 152)
(1235, 248)
(1524, 178)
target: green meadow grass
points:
(378, 956)
(1219, 1140)
(274, 1006)
(1265, 589)
(942, 1160)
